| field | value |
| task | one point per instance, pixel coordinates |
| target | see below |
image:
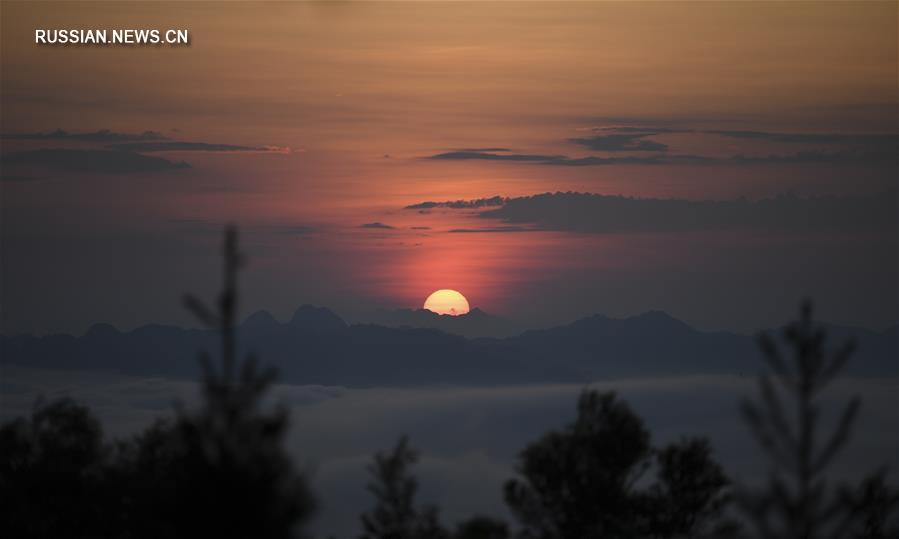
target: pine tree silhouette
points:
(576, 483)
(690, 493)
(798, 503)
(54, 475)
(582, 482)
(221, 470)
(482, 527)
(874, 503)
(395, 514)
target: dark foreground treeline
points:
(221, 470)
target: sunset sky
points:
(758, 141)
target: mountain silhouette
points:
(475, 323)
(259, 321)
(317, 347)
(102, 331)
(311, 318)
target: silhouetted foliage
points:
(218, 471)
(221, 470)
(690, 493)
(874, 504)
(482, 527)
(54, 474)
(577, 483)
(395, 514)
(797, 503)
(580, 482)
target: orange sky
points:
(363, 92)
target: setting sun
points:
(447, 301)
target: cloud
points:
(542, 159)
(852, 156)
(660, 160)
(867, 139)
(846, 148)
(100, 161)
(477, 154)
(621, 143)
(378, 225)
(420, 228)
(586, 212)
(458, 204)
(493, 229)
(641, 130)
(146, 142)
(469, 438)
(859, 157)
(812, 138)
(103, 135)
(183, 146)
(807, 157)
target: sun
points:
(446, 301)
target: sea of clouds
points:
(468, 437)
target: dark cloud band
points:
(592, 213)
(620, 143)
(181, 146)
(585, 212)
(377, 225)
(103, 135)
(459, 204)
(99, 161)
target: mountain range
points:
(316, 346)
(473, 324)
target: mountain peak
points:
(661, 319)
(474, 323)
(101, 330)
(661, 316)
(314, 318)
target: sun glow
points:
(446, 301)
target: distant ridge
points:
(317, 347)
(258, 321)
(101, 331)
(476, 323)
(313, 318)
